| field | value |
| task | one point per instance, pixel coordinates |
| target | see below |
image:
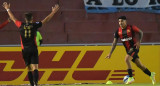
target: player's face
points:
(122, 23)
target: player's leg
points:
(128, 62)
(27, 60)
(35, 62)
(30, 75)
(132, 55)
(141, 66)
(129, 67)
(145, 70)
(137, 61)
(35, 73)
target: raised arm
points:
(7, 7)
(113, 47)
(54, 10)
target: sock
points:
(30, 77)
(36, 76)
(146, 71)
(130, 72)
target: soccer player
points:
(127, 35)
(39, 39)
(28, 40)
(4, 23)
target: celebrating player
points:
(127, 35)
(28, 42)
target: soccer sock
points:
(146, 71)
(30, 77)
(130, 72)
(36, 75)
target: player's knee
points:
(35, 67)
(127, 59)
(29, 68)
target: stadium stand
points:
(73, 25)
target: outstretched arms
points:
(54, 10)
(7, 7)
(113, 47)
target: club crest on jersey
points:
(128, 31)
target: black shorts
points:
(30, 56)
(134, 53)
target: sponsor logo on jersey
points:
(126, 39)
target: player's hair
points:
(122, 17)
(28, 16)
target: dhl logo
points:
(75, 65)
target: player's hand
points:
(109, 56)
(6, 5)
(137, 45)
(55, 8)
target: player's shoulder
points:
(23, 23)
(133, 26)
(37, 22)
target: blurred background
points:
(73, 25)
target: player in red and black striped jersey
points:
(127, 34)
(28, 40)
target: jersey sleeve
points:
(18, 23)
(135, 28)
(38, 24)
(4, 24)
(116, 34)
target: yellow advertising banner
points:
(77, 64)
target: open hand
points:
(108, 56)
(137, 45)
(6, 5)
(55, 8)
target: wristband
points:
(8, 10)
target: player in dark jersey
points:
(4, 23)
(28, 40)
(127, 35)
